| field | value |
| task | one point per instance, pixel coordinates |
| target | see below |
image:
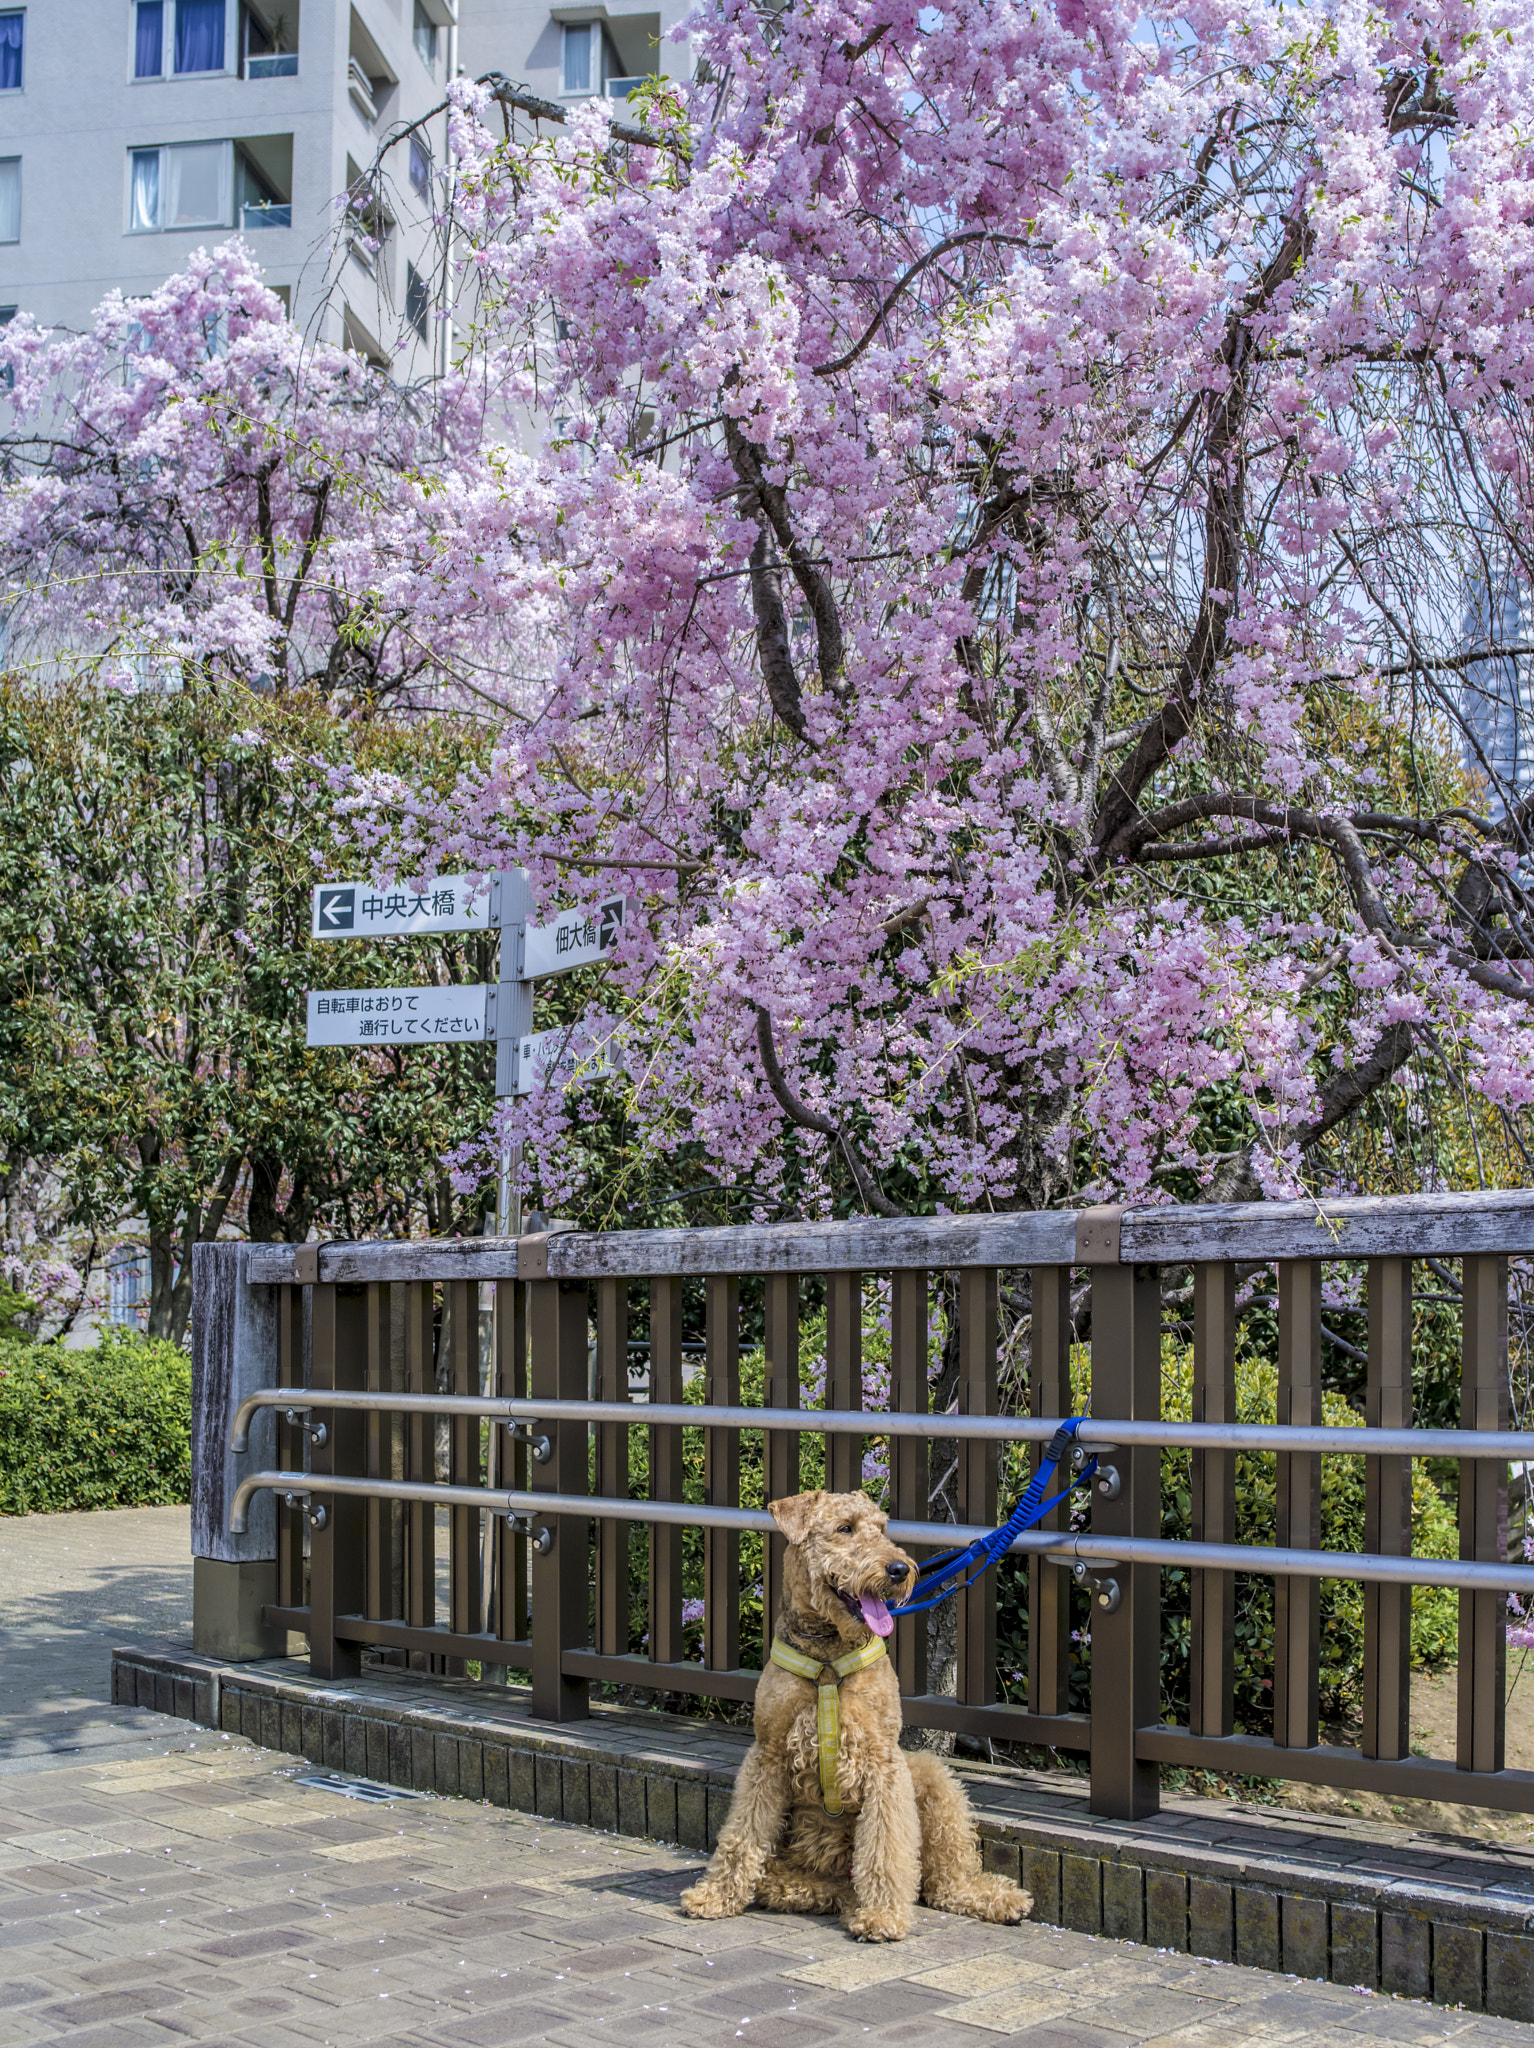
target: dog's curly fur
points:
(906, 1832)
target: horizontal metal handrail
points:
(1337, 1440)
(1101, 1550)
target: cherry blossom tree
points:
(193, 484)
(1022, 495)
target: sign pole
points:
(512, 899)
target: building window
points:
(10, 198)
(269, 48)
(420, 167)
(12, 35)
(424, 35)
(188, 185)
(199, 35)
(263, 182)
(192, 31)
(417, 300)
(580, 47)
(149, 39)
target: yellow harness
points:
(828, 1711)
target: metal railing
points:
(383, 1353)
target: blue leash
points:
(985, 1550)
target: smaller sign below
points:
(356, 910)
(395, 1016)
(576, 938)
(562, 1057)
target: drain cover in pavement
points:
(352, 1788)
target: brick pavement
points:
(208, 1896)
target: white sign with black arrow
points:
(358, 910)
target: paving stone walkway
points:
(212, 1896)
(160, 1883)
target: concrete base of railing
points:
(1356, 1901)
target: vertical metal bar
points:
(511, 1381)
(375, 1434)
(1481, 1737)
(909, 1395)
(1212, 1666)
(420, 1462)
(979, 1335)
(1297, 1602)
(721, 1470)
(335, 1550)
(1126, 1644)
(556, 1321)
(463, 1460)
(844, 1377)
(666, 1473)
(612, 1474)
(1387, 1514)
(780, 1390)
(1049, 1393)
(290, 1443)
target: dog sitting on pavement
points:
(830, 1814)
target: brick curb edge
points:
(1460, 1949)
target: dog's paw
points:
(707, 1901)
(869, 1923)
(1009, 1907)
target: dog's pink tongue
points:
(876, 1614)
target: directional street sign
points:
(576, 938)
(550, 1058)
(524, 1058)
(358, 910)
(395, 1016)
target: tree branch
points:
(811, 1120)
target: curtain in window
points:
(144, 196)
(578, 59)
(199, 35)
(149, 39)
(10, 198)
(201, 181)
(11, 27)
(420, 167)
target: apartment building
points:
(135, 131)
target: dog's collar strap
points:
(828, 1709)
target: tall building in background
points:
(1497, 694)
(135, 131)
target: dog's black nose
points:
(897, 1570)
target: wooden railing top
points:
(1355, 1227)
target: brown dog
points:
(829, 1817)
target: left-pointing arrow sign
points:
(335, 910)
(359, 910)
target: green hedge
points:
(105, 1428)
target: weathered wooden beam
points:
(1357, 1227)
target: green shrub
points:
(104, 1428)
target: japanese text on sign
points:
(395, 1016)
(356, 910)
(574, 939)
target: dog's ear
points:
(796, 1515)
